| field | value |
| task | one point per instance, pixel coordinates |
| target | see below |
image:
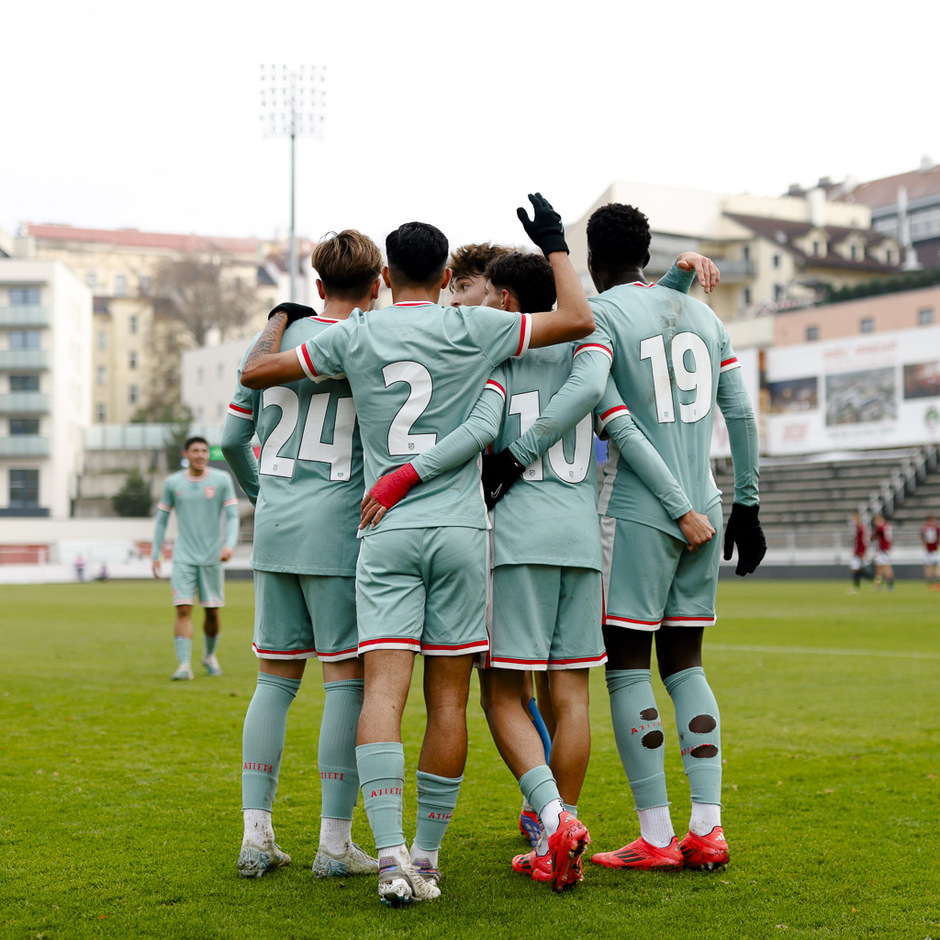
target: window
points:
(102, 339)
(132, 360)
(775, 260)
(747, 296)
(24, 296)
(101, 375)
(143, 284)
(812, 334)
(101, 413)
(778, 292)
(889, 257)
(816, 249)
(132, 394)
(24, 426)
(24, 383)
(132, 324)
(853, 252)
(91, 280)
(24, 339)
(925, 316)
(120, 285)
(746, 253)
(24, 489)
(866, 325)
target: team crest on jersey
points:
(209, 492)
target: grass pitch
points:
(120, 791)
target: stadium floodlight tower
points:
(292, 104)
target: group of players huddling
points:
(398, 403)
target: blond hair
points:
(347, 263)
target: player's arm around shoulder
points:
(572, 317)
(265, 365)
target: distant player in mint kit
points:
(201, 496)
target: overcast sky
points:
(147, 115)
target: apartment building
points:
(45, 385)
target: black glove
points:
(293, 311)
(500, 471)
(744, 531)
(545, 228)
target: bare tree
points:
(201, 295)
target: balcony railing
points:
(17, 359)
(26, 445)
(33, 316)
(25, 403)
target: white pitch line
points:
(888, 654)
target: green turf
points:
(120, 791)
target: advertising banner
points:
(879, 390)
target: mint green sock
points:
(539, 788)
(184, 649)
(336, 754)
(437, 799)
(263, 739)
(381, 768)
(210, 643)
(638, 731)
(699, 726)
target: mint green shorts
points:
(651, 579)
(208, 581)
(301, 616)
(423, 590)
(545, 617)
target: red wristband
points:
(393, 487)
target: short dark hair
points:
(195, 439)
(348, 263)
(417, 253)
(528, 276)
(468, 260)
(618, 236)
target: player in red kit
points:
(883, 537)
(930, 536)
(859, 551)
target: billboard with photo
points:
(878, 390)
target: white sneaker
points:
(400, 883)
(353, 861)
(183, 671)
(255, 860)
(212, 665)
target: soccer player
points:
(930, 536)
(546, 607)
(306, 490)
(468, 265)
(201, 495)
(883, 537)
(672, 361)
(859, 551)
(415, 370)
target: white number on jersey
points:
(312, 446)
(526, 405)
(401, 442)
(697, 378)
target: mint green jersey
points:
(672, 363)
(200, 504)
(549, 517)
(416, 370)
(307, 483)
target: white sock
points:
(704, 818)
(258, 826)
(335, 834)
(548, 817)
(397, 852)
(656, 826)
(429, 854)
